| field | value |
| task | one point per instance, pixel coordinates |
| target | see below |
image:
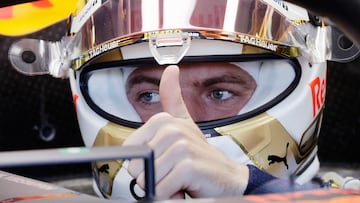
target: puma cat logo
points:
(274, 158)
(104, 169)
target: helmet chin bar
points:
(39, 57)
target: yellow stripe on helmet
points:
(30, 17)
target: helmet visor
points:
(276, 27)
(215, 88)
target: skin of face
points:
(210, 90)
(186, 163)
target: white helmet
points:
(277, 43)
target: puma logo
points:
(104, 169)
(274, 158)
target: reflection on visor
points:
(268, 25)
(104, 26)
(211, 90)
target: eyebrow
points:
(224, 79)
(141, 79)
(208, 82)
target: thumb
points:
(170, 93)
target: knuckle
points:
(135, 167)
(183, 147)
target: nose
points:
(196, 108)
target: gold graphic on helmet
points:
(269, 145)
(106, 171)
(263, 138)
(310, 135)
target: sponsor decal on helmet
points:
(318, 88)
(103, 48)
(274, 158)
(148, 35)
(257, 42)
(89, 9)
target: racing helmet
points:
(280, 46)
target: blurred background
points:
(38, 112)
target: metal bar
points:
(70, 155)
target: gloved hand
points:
(184, 161)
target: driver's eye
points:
(221, 94)
(149, 97)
